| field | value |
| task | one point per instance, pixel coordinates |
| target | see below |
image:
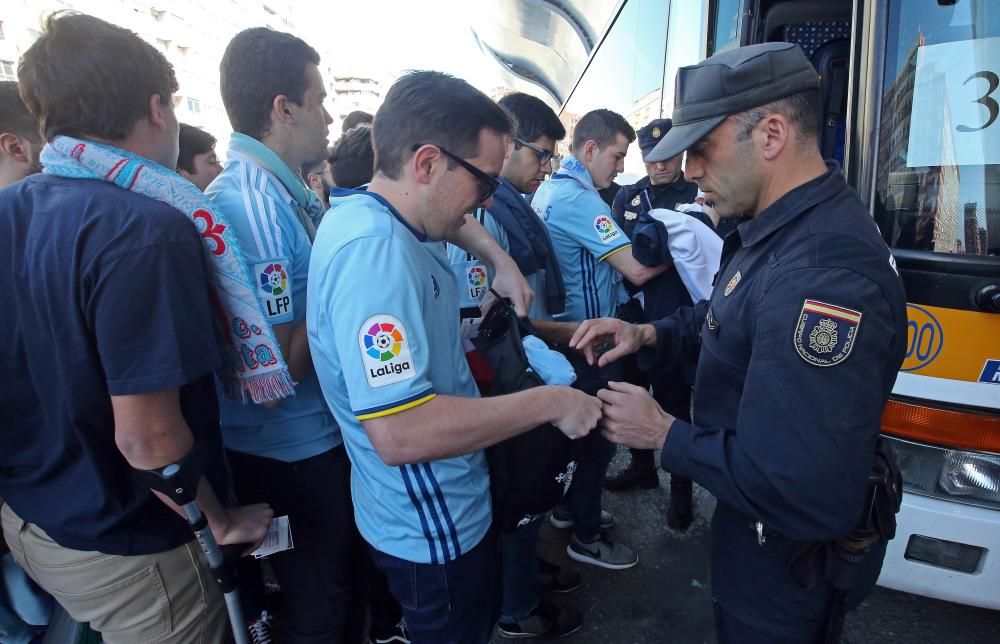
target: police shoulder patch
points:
(385, 351)
(825, 333)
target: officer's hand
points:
(509, 283)
(625, 339)
(244, 524)
(632, 417)
(575, 413)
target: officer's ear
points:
(773, 133)
(590, 150)
(509, 149)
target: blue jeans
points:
(519, 571)
(451, 603)
(593, 455)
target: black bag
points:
(529, 473)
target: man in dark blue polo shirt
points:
(110, 356)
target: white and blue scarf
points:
(239, 313)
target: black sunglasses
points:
(487, 184)
(544, 156)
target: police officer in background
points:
(662, 187)
(800, 344)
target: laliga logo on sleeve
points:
(607, 232)
(477, 282)
(385, 351)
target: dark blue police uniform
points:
(798, 349)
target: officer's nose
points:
(692, 168)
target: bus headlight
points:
(948, 474)
(971, 475)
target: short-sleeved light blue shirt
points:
(583, 236)
(265, 219)
(536, 280)
(383, 320)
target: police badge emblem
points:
(825, 333)
(629, 215)
(732, 284)
(656, 132)
(635, 202)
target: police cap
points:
(651, 134)
(728, 83)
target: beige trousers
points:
(167, 597)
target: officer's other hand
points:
(632, 417)
(592, 335)
(575, 413)
(244, 524)
(510, 283)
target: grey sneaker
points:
(602, 552)
(561, 518)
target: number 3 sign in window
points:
(956, 104)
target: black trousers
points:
(325, 578)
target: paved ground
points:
(666, 598)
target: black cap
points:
(651, 134)
(728, 83)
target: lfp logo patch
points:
(477, 282)
(272, 279)
(385, 351)
(607, 232)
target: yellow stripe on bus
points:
(949, 343)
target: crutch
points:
(179, 482)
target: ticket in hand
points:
(277, 539)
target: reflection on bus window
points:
(625, 75)
(726, 31)
(938, 177)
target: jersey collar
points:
(344, 192)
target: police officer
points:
(662, 187)
(800, 343)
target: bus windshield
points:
(937, 186)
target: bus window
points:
(937, 185)
(725, 32)
(625, 75)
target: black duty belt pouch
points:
(529, 473)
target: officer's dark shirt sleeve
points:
(148, 309)
(801, 452)
(678, 337)
(618, 208)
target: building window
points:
(1, 30)
(7, 71)
(194, 106)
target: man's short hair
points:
(432, 107)
(804, 110)
(193, 141)
(14, 115)
(533, 119)
(354, 119)
(602, 126)
(86, 77)
(260, 64)
(352, 159)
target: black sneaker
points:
(260, 629)
(546, 621)
(632, 478)
(554, 579)
(561, 518)
(398, 635)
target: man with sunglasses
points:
(385, 338)
(519, 231)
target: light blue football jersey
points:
(383, 319)
(583, 236)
